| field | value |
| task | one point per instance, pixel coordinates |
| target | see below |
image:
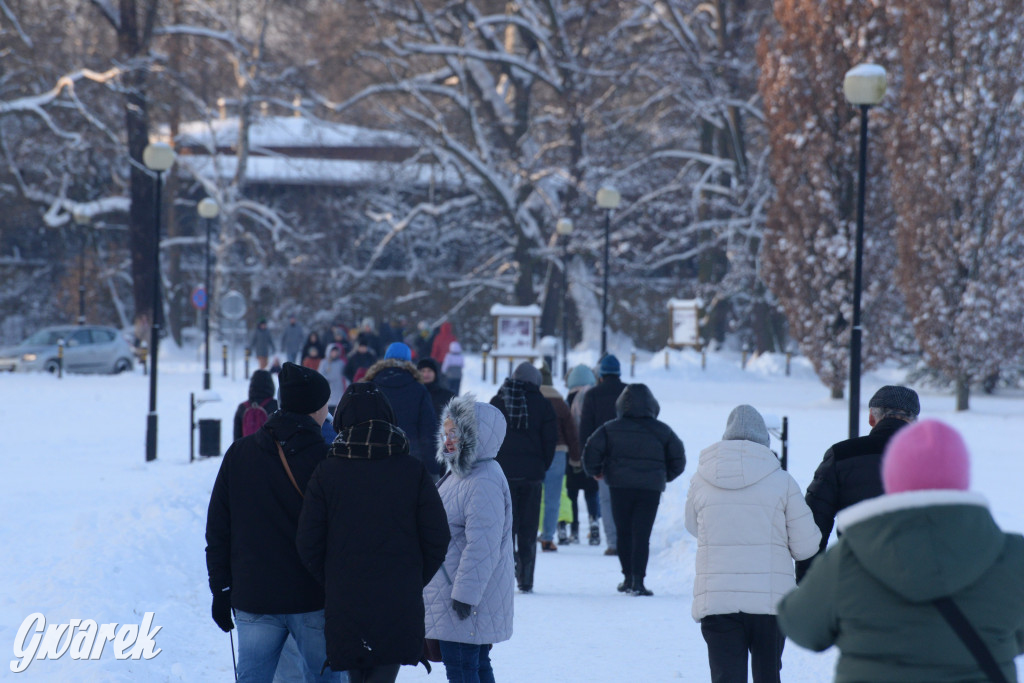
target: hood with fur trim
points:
(381, 365)
(479, 428)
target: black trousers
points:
(731, 636)
(383, 673)
(525, 522)
(574, 483)
(634, 511)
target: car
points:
(87, 348)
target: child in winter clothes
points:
(926, 548)
(751, 522)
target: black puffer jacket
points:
(635, 450)
(850, 472)
(599, 405)
(253, 515)
(374, 530)
(526, 454)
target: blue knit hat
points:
(398, 351)
(610, 366)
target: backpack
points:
(254, 417)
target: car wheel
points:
(52, 366)
(122, 365)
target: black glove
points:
(222, 610)
(462, 609)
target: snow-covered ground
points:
(91, 531)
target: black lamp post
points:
(158, 157)
(564, 228)
(607, 199)
(82, 221)
(864, 86)
(208, 209)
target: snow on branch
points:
(35, 104)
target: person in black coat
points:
(362, 357)
(525, 456)
(851, 470)
(373, 530)
(430, 375)
(253, 565)
(261, 391)
(637, 455)
(400, 381)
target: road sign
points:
(232, 305)
(199, 297)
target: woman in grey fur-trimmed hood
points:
(469, 601)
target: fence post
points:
(224, 355)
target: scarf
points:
(370, 440)
(513, 394)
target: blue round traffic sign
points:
(199, 297)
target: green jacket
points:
(871, 594)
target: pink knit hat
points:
(926, 455)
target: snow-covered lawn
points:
(92, 531)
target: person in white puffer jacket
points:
(751, 523)
(469, 601)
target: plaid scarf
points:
(513, 394)
(370, 440)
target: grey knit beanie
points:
(746, 424)
(527, 372)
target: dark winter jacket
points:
(400, 381)
(253, 514)
(850, 472)
(261, 343)
(526, 454)
(292, 339)
(359, 359)
(599, 406)
(568, 438)
(635, 450)
(374, 531)
(871, 594)
(261, 388)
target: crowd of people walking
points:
(366, 520)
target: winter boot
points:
(639, 588)
(594, 538)
(548, 546)
(627, 585)
(574, 532)
(563, 534)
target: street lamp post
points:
(158, 157)
(208, 209)
(82, 221)
(607, 199)
(864, 86)
(564, 228)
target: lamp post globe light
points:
(608, 199)
(82, 221)
(158, 157)
(864, 87)
(564, 228)
(208, 210)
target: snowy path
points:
(91, 531)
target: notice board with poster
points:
(515, 333)
(684, 323)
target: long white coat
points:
(751, 522)
(479, 568)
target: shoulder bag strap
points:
(956, 619)
(284, 461)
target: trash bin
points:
(209, 437)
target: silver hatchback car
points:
(87, 348)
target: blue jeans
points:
(466, 663)
(261, 638)
(553, 495)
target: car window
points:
(43, 338)
(102, 336)
(80, 338)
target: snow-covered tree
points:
(957, 162)
(809, 243)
